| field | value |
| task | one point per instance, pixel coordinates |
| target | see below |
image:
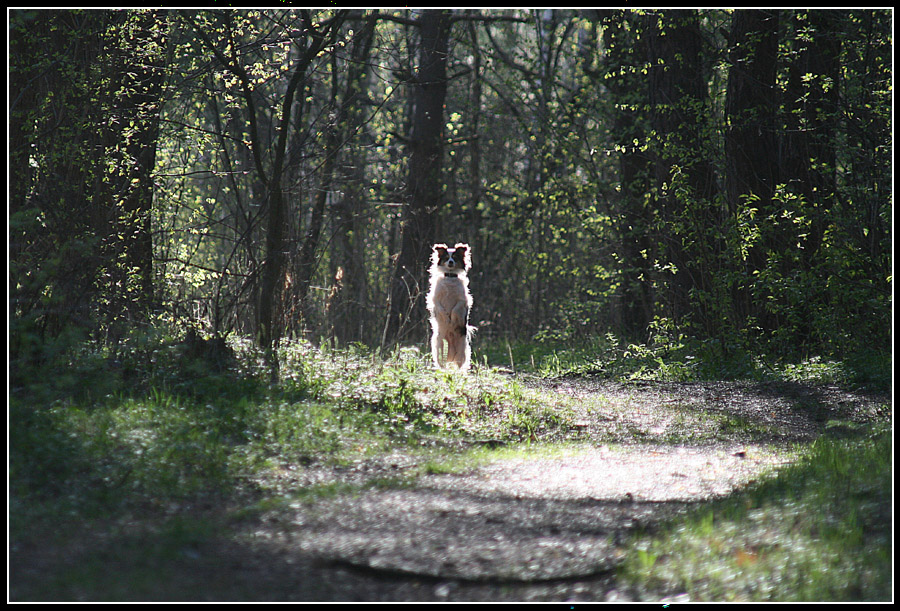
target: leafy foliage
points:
(592, 160)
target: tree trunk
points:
(347, 307)
(345, 117)
(424, 188)
(625, 47)
(750, 140)
(141, 79)
(812, 118)
(752, 168)
(679, 99)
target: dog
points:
(449, 303)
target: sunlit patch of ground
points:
(639, 473)
(523, 518)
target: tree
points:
(686, 187)
(310, 41)
(622, 75)
(85, 129)
(137, 69)
(347, 303)
(751, 115)
(424, 186)
(343, 118)
(809, 142)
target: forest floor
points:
(541, 523)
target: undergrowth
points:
(679, 359)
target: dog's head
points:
(454, 260)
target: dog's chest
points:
(449, 291)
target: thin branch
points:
(246, 87)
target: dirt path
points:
(540, 526)
(547, 527)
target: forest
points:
(203, 202)
(722, 175)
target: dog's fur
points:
(449, 302)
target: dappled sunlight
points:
(632, 473)
(528, 515)
(221, 384)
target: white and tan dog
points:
(449, 302)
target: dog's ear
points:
(466, 253)
(438, 251)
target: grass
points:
(678, 359)
(183, 429)
(126, 438)
(821, 530)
